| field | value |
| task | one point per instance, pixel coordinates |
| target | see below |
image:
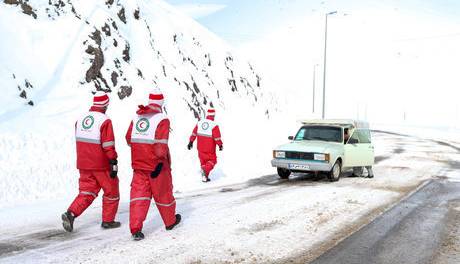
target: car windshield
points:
(323, 133)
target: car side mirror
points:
(352, 141)
(291, 138)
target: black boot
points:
(110, 225)
(138, 236)
(67, 221)
(178, 218)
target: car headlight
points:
(279, 154)
(321, 157)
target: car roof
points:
(337, 122)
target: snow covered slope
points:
(54, 53)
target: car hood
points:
(309, 146)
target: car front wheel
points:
(283, 173)
(334, 174)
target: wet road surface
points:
(417, 230)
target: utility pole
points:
(324, 64)
(357, 111)
(314, 87)
(365, 112)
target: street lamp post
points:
(324, 64)
(314, 87)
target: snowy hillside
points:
(55, 53)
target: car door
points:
(359, 151)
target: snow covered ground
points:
(262, 220)
(49, 60)
(446, 133)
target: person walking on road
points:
(208, 133)
(97, 163)
(148, 136)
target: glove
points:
(157, 171)
(113, 168)
(221, 147)
(190, 145)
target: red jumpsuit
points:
(148, 136)
(208, 134)
(95, 148)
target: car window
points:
(300, 134)
(361, 136)
(322, 133)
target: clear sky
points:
(245, 20)
(240, 21)
(387, 59)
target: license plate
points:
(299, 167)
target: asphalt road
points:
(421, 229)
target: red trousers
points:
(143, 187)
(90, 183)
(208, 161)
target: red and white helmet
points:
(211, 112)
(156, 97)
(100, 99)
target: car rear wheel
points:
(283, 173)
(336, 172)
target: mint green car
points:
(330, 146)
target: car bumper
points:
(299, 165)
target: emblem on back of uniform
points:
(142, 125)
(205, 125)
(87, 122)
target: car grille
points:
(299, 155)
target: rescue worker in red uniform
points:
(208, 133)
(97, 163)
(148, 136)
